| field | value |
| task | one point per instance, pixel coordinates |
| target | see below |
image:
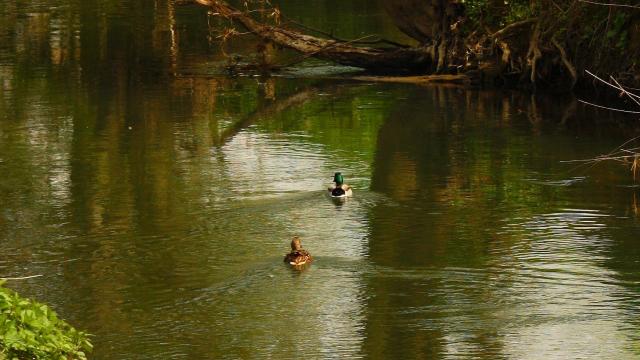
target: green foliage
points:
(518, 10)
(605, 34)
(593, 36)
(498, 13)
(31, 330)
(598, 24)
(618, 35)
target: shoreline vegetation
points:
(31, 330)
(527, 44)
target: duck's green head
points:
(338, 179)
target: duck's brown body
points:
(297, 256)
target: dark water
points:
(157, 198)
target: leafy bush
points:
(31, 330)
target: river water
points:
(157, 196)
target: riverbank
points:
(521, 45)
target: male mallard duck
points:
(297, 256)
(340, 189)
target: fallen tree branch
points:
(379, 39)
(624, 91)
(375, 59)
(313, 53)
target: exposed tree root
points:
(565, 61)
(506, 52)
(534, 53)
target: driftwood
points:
(387, 59)
(420, 80)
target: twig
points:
(599, 158)
(609, 156)
(619, 153)
(609, 108)
(624, 91)
(623, 144)
(619, 87)
(22, 278)
(630, 88)
(610, 4)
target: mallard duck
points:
(298, 256)
(340, 189)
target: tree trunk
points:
(433, 23)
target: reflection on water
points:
(158, 201)
(485, 256)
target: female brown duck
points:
(297, 256)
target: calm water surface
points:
(158, 196)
